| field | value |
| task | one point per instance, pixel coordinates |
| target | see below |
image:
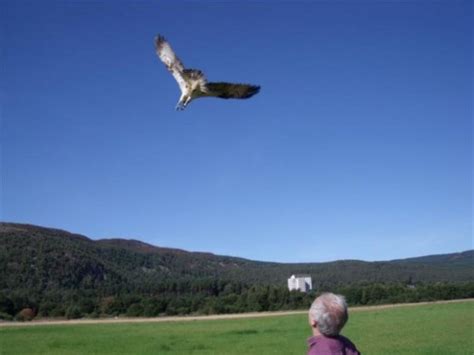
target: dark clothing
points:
(338, 345)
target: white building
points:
(300, 282)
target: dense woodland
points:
(52, 273)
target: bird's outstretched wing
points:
(231, 91)
(171, 61)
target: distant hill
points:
(462, 259)
(44, 263)
(132, 260)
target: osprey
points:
(192, 82)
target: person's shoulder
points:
(346, 340)
(349, 344)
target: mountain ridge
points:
(139, 245)
(109, 251)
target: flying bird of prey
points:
(192, 82)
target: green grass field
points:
(425, 329)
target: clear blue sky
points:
(359, 145)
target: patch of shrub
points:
(25, 315)
(135, 310)
(73, 312)
(5, 316)
(57, 312)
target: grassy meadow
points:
(424, 329)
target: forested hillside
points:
(56, 273)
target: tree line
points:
(218, 298)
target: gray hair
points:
(329, 311)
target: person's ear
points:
(314, 324)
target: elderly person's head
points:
(328, 314)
